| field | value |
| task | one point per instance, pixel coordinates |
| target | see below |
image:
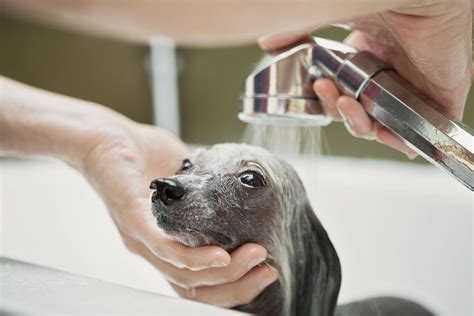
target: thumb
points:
(362, 41)
(276, 43)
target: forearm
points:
(203, 23)
(38, 122)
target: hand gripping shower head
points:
(279, 91)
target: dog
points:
(233, 194)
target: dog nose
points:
(167, 190)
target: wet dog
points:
(232, 194)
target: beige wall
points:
(115, 74)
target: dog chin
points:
(190, 240)
(179, 233)
(186, 235)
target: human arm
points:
(197, 22)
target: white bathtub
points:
(399, 228)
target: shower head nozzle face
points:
(280, 91)
(287, 119)
(283, 110)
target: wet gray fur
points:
(218, 209)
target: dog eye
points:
(186, 165)
(252, 179)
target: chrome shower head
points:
(280, 89)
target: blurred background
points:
(117, 74)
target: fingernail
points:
(218, 264)
(411, 156)
(347, 123)
(267, 281)
(254, 262)
(346, 119)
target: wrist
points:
(41, 123)
(96, 126)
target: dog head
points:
(223, 196)
(232, 194)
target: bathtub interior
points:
(400, 229)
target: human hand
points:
(429, 45)
(124, 159)
(120, 158)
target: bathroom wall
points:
(116, 74)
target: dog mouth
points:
(219, 237)
(177, 228)
(168, 223)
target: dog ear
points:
(319, 272)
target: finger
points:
(233, 294)
(385, 136)
(328, 95)
(164, 267)
(362, 41)
(243, 259)
(359, 40)
(169, 271)
(355, 118)
(274, 44)
(359, 124)
(177, 254)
